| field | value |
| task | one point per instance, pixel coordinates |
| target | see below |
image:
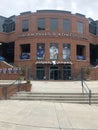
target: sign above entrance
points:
(55, 34)
(52, 62)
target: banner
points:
(66, 51)
(53, 51)
(40, 51)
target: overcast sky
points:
(15, 7)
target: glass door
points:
(54, 72)
(40, 72)
(67, 72)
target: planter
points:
(28, 87)
(88, 72)
(22, 78)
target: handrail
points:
(7, 92)
(87, 90)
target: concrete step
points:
(52, 98)
(41, 93)
(59, 100)
(56, 97)
(52, 93)
(65, 95)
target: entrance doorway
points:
(40, 72)
(67, 72)
(60, 72)
(54, 72)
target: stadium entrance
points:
(60, 72)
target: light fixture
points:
(54, 62)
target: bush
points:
(28, 81)
(88, 71)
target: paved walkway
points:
(62, 86)
(40, 115)
(29, 115)
(58, 86)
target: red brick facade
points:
(33, 36)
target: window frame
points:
(53, 24)
(66, 24)
(25, 55)
(81, 54)
(25, 26)
(80, 27)
(41, 21)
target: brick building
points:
(50, 44)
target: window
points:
(9, 25)
(41, 24)
(66, 25)
(80, 27)
(40, 51)
(25, 51)
(66, 51)
(53, 51)
(92, 27)
(54, 24)
(25, 25)
(81, 50)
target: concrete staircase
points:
(56, 97)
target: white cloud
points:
(15, 7)
(74, 6)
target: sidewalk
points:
(40, 115)
(29, 115)
(62, 86)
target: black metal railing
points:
(9, 91)
(85, 89)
